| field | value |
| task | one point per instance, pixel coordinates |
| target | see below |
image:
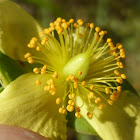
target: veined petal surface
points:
(16, 29)
(27, 105)
(117, 122)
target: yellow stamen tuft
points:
(84, 60)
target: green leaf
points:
(9, 69)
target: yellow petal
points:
(16, 29)
(27, 105)
(116, 122)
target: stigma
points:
(84, 59)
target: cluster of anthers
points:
(90, 66)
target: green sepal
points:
(9, 69)
(1, 89)
(79, 125)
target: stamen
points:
(88, 64)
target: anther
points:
(30, 60)
(91, 87)
(109, 40)
(36, 70)
(53, 92)
(90, 115)
(63, 20)
(91, 25)
(110, 102)
(64, 111)
(67, 79)
(123, 76)
(27, 55)
(47, 31)
(90, 95)
(60, 31)
(41, 34)
(80, 72)
(60, 110)
(101, 106)
(71, 96)
(51, 24)
(55, 75)
(38, 82)
(119, 46)
(71, 102)
(119, 80)
(71, 20)
(70, 108)
(97, 29)
(46, 88)
(45, 67)
(87, 24)
(58, 100)
(77, 109)
(107, 90)
(83, 83)
(119, 88)
(38, 48)
(97, 100)
(116, 72)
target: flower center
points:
(76, 64)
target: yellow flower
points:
(77, 69)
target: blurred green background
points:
(121, 18)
